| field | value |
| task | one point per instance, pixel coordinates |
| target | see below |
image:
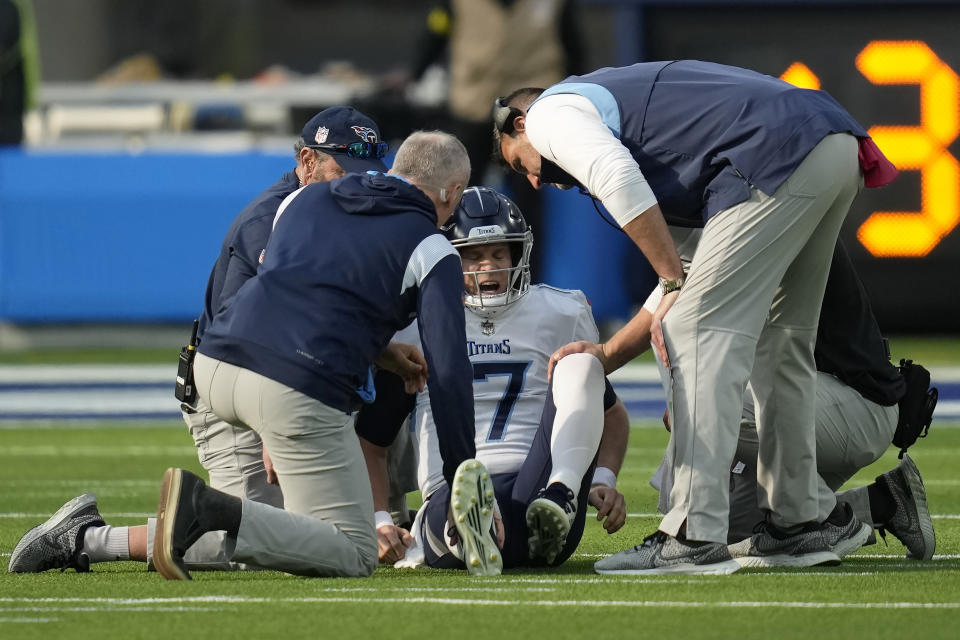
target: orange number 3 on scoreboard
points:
(923, 148)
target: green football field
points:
(876, 591)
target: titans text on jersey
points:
(480, 348)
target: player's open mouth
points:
(489, 288)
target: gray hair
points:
(432, 159)
(299, 145)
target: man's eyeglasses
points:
(355, 149)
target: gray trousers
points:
(852, 433)
(749, 311)
(233, 460)
(326, 527)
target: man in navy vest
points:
(769, 171)
(858, 396)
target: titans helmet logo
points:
(366, 133)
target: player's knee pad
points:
(576, 373)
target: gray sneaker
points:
(769, 547)
(843, 532)
(57, 543)
(910, 523)
(661, 554)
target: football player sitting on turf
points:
(537, 440)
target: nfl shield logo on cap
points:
(322, 134)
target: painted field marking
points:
(150, 514)
(44, 516)
(29, 620)
(127, 451)
(132, 604)
(935, 516)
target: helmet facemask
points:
(518, 274)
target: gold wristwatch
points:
(669, 286)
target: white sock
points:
(578, 395)
(106, 543)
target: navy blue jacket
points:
(349, 263)
(240, 252)
(702, 133)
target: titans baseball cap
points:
(350, 137)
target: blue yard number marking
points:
(517, 372)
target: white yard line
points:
(106, 451)
(935, 516)
(150, 604)
(144, 514)
(28, 620)
(43, 516)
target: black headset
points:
(503, 116)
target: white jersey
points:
(510, 377)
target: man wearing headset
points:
(769, 171)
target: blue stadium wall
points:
(113, 237)
(131, 238)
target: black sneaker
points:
(770, 546)
(910, 522)
(178, 525)
(549, 519)
(843, 532)
(663, 554)
(58, 542)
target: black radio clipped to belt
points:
(186, 390)
(916, 406)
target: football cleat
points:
(472, 506)
(58, 542)
(663, 554)
(549, 519)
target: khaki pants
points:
(749, 311)
(852, 432)
(326, 527)
(233, 460)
